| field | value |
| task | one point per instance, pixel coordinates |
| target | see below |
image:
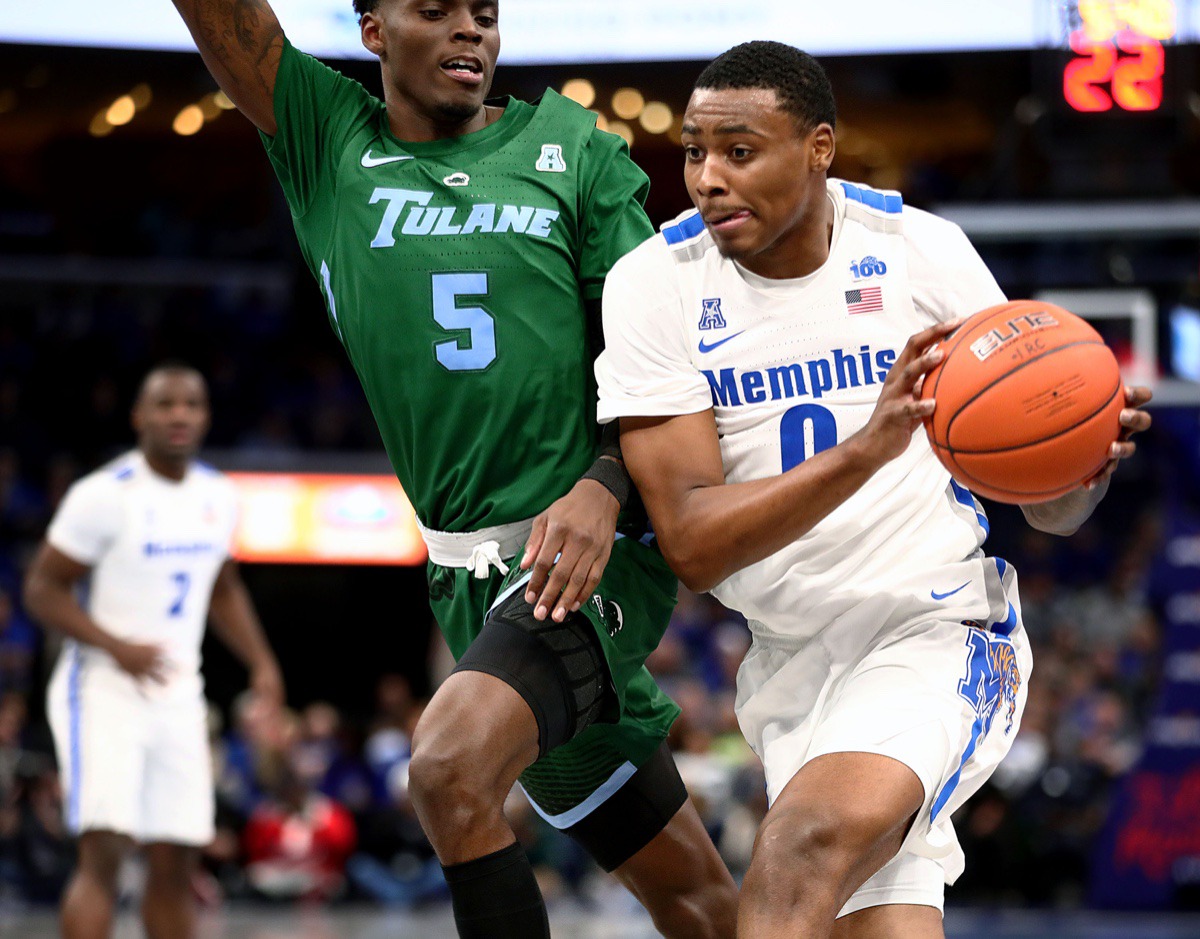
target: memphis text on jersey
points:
(732, 387)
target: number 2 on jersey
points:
(479, 350)
(183, 581)
(805, 431)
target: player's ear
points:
(371, 30)
(821, 147)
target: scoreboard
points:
(1117, 59)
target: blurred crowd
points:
(313, 803)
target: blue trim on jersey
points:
(74, 722)
(1008, 624)
(591, 803)
(963, 496)
(947, 790)
(680, 232)
(509, 591)
(991, 684)
(971, 689)
(124, 474)
(891, 202)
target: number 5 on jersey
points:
(478, 351)
(471, 353)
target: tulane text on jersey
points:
(485, 218)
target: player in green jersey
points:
(461, 248)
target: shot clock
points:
(1113, 79)
(1117, 59)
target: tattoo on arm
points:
(243, 37)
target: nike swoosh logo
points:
(369, 161)
(705, 348)
(942, 596)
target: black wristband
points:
(611, 474)
(610, 440)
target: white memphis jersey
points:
(794, 367)
(155, 547)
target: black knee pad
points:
(631, 817)
(558, 668)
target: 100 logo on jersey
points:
(867, 267)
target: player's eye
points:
(739, 152)
(693, 153)
(486, 22)
(433, 14)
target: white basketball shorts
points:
(942, 697)
(130, 762)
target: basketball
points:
(1028, 402)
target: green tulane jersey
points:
(455, 273)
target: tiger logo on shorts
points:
(992, 681)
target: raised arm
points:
(709, 529)
(240, 42)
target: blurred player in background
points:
(760, 361)
(153, 528)
(461, 248)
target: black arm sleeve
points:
(609, 469)
(594, 327)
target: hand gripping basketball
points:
(900, 410)
(1028, 403)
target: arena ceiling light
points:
(622, 130)
(581, 91)
(656, 117)
(627, 103)
(100, 126)
(121, 111)
(188, 121)
(210, 107)
(141, 95)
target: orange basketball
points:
(1028, 402)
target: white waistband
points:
(462, 549)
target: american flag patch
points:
(864, 300)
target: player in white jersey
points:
(153, 529)
(758, 355)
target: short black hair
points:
(169, 367)
(365, 6)
(795, 76)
